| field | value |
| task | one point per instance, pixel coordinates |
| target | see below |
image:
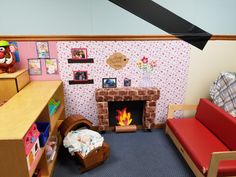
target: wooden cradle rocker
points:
(95, 157)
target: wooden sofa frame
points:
(216, 156)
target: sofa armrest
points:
(174, 107)
(215, 160)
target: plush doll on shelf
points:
(7, 58)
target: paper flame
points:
(123, 117)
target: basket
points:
(43, 128)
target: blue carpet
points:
(140, 154)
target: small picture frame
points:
(80, 75)
(42, 49)
(51, 66)
(127, 82)
(79, 53)
(34, 66)
(109, 82)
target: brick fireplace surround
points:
(104, 95)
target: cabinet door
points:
(13, 160)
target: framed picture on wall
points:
(79, 53)
(109, 82)
(51, 66)
(42, 49)
(80, 75)
(127, 82)
(34, 66)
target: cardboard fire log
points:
(126, 128)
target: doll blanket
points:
(82, 141)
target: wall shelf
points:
(86, 60)
(89, 81)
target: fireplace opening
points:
(123, 113)
(147, 96)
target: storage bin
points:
(43, 128)
(53, 106)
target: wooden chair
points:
(97, 156)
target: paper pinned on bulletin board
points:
(117, 60)
(14, 49)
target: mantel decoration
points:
(147, 67)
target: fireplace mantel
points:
(149, 95)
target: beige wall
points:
(205, 66)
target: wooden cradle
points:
(96, 156)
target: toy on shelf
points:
(7, 58)
(53, 106)
(31, 144)
(51, 148)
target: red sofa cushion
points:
(221, 123)
(199, 143)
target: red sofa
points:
(207, 141)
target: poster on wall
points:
(51, 66)
(42, 49)
(14, 49)
(34, 66)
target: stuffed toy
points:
(7, 58)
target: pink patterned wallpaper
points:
(170, 75)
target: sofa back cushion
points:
(219, 122)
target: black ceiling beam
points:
(166, 20)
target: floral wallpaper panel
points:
(169, 75)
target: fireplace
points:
(106, 95)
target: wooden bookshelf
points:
(28, 106)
